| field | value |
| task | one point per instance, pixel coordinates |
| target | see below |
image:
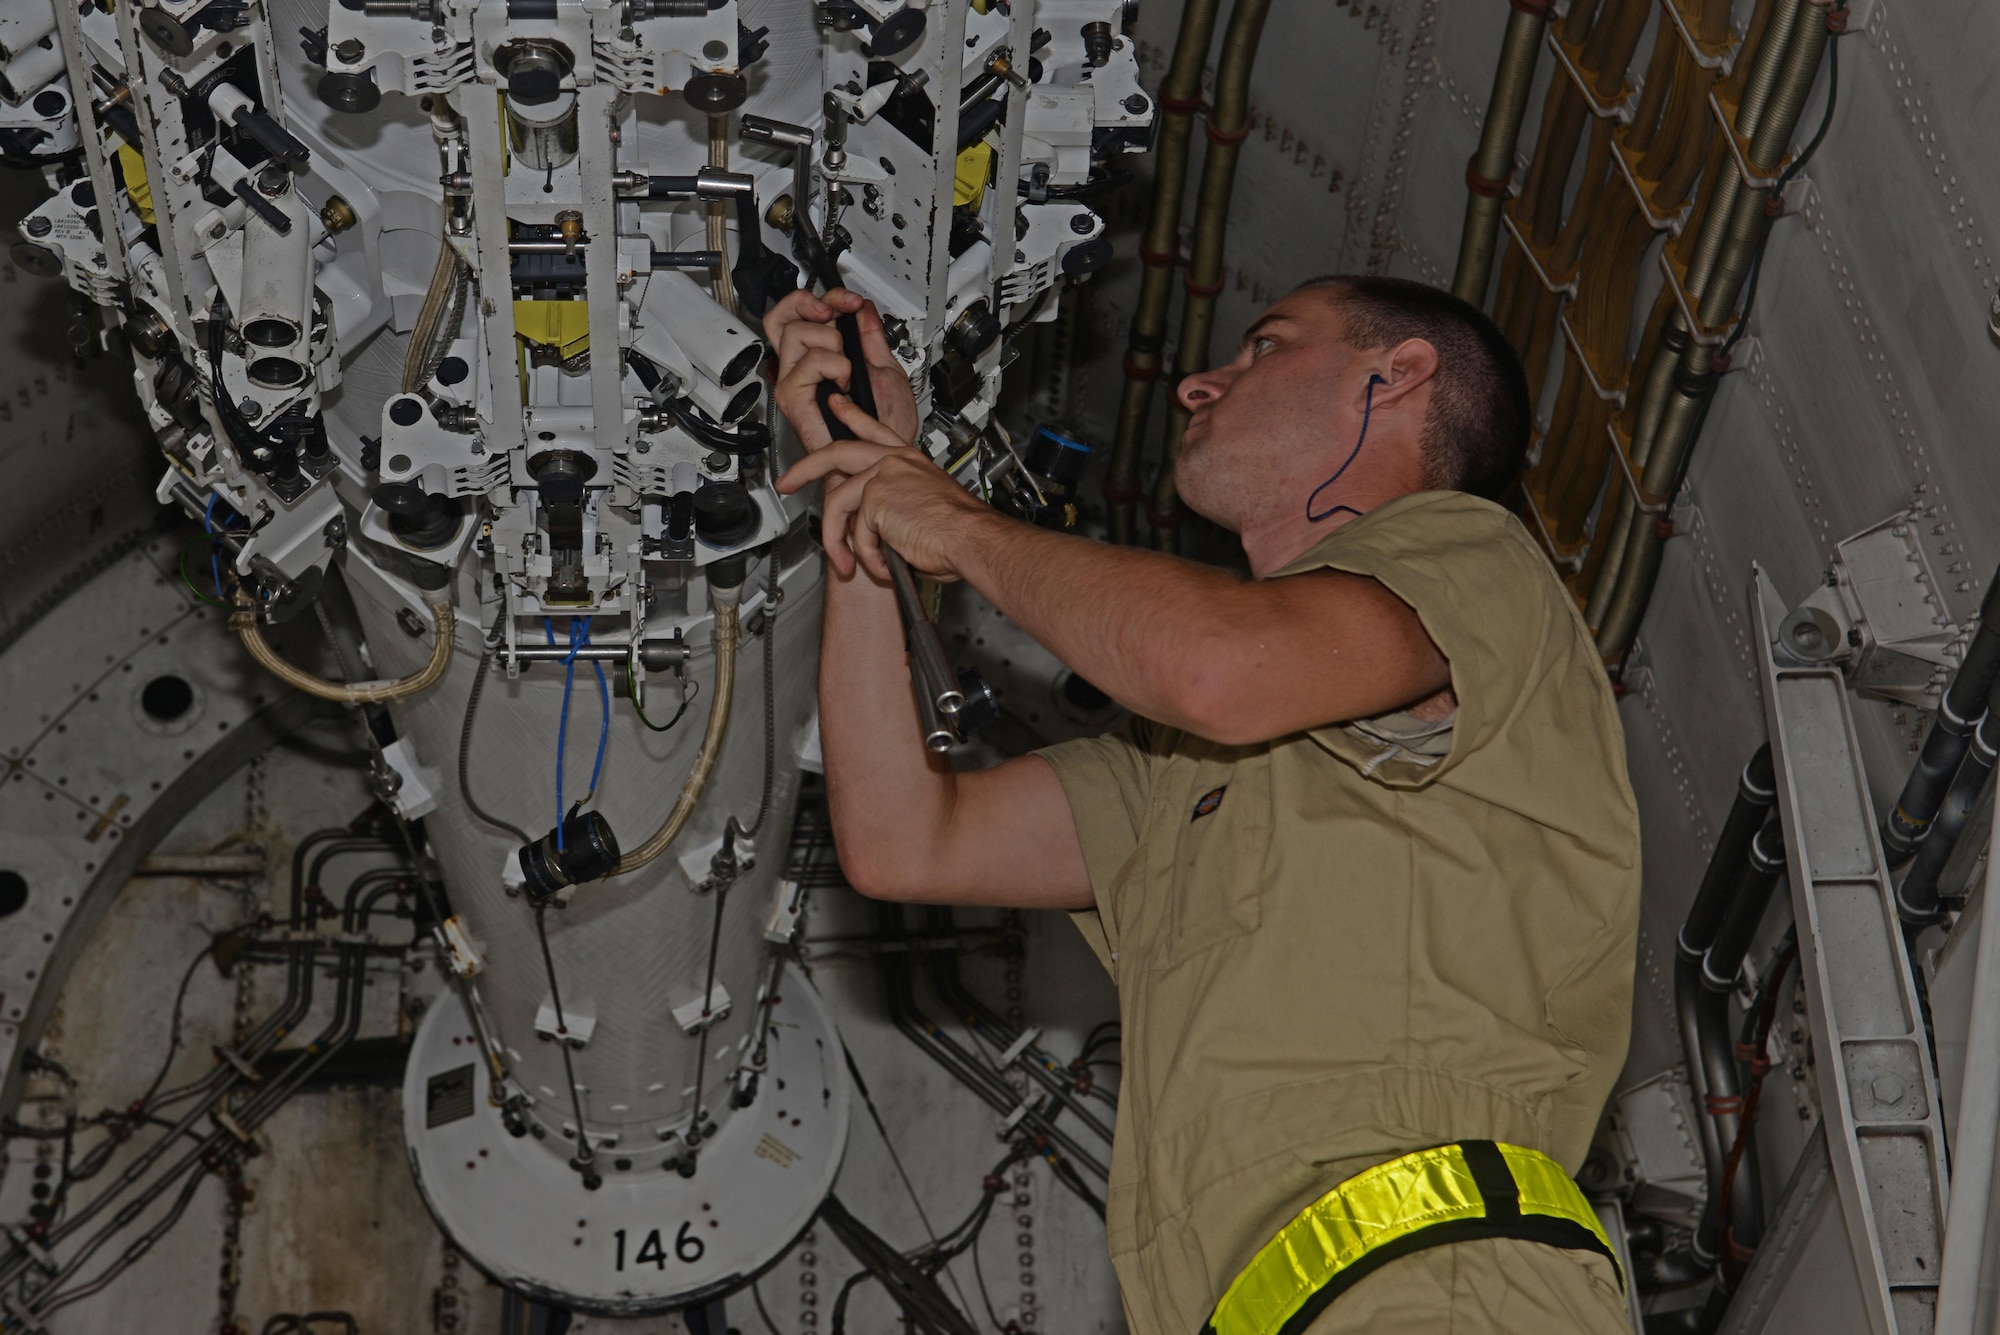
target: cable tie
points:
(1019, 1046)
(1723, 1105)
(1179, 106)
(1227, 138)
(1157, 259)
(1118, 495)
(1484, 185)
(1204, 290)
(1133, 372)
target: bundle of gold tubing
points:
(1569, 280)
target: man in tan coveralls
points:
(1364, 865)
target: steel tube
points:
(1180, 93)
(1513, 77)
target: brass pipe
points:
(1664, 74)
(1544, 214)
(1487, 174)
(1612, 43)
(1228, 126)
(1180, 97)
(1590, 196)
(1779, 88)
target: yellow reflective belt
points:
(1455, 1193)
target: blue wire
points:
(214, 561)
(579, 636)
(562, 727)
(1367, 411)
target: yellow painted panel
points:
(136, 183)
(975, 164)
(562, 325)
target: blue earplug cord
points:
(1367, 411)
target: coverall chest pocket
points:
(1218, 846)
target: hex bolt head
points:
(251, 409)
(1137, 104)
(1083, 224)
(350, 52)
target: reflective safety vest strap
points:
(1454, 1193)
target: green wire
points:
(185, 579)
(640, 709)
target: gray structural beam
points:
(1883, 1133)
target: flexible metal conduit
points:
(1694, 380)
(244, 622)
(1950, 733)
(1160, 251)
(727, 634)
(1487, 174)
(1228, 126)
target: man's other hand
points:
(801, 328)
(884, 491)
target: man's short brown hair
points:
(1476, 433)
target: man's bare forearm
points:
(907, 826)
(1135, 624)
(887, 793)
(1196, 648)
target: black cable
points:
(757, 1297)
(875, 1116)
(772, 595)
(1778, 193)
(465, 750)
(174, 1024)
(584, 1154)
(695, 1135)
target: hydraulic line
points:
(971, 1072)
(1492, 166)
(1179, 99)
(297, 1002)
(1228, 126)
(1723, 1101)
(1756, 792)
(726, 634)
(1739, 221)
(1949, 735)
(1917, 902)
(987, 1023)
(244, 622)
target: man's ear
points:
(1409, 366)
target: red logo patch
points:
(1209, 802)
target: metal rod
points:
(927, 655)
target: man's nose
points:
(1202, 387)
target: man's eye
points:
(1259, 346)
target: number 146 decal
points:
(688, 1248)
